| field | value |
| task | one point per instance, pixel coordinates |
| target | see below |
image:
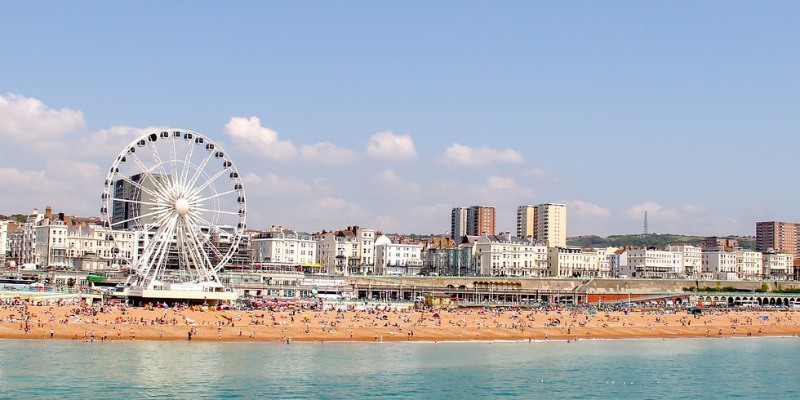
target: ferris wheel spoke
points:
(180, 237)
(212, 225)
(215, 196)
(200, 168)
(197, 245)
(139, 186)
(186, 164)
(160, 165)
(162, 241)
(146, 203)
(208, 182)
(174, 158)
(218, 211)
(196, 254)
(151, 214)
(163, 256)
(147, 171)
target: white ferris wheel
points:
(181, 195)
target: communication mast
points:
(645, 223)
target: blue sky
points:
(379, 113)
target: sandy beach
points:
(98, 323)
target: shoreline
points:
(111, 323)
(442, 341)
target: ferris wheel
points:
(181, 195)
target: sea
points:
(717, 368)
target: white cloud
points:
(689, 219)
(78, 172)
(273, 186)
(460, 155)
(655, 211)
(24, 118)
(332, 212)
(506, 188)
(388, 146)
(540, 173)
(586, 209)
(65, 184)
(498, 191)
(388, 179)
(22, 182)
(105, 144)
(248, 134)
(501, 183)
(327, 153)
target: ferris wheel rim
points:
(190, 187)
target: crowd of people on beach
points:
(319, 322)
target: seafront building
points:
(576, 262)
(551, 224)
(397, 258)
(777, 266)
(480, 220)
(783, 237)
(458, 222)
(526, 221)
(347, 252)
(472, 221)
(691, 259)
(284, 247)
(497, 255)
(62, 242)
(5, 227)
(720, 264)
(749, 265)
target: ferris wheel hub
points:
(182, 206)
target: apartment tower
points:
(551, 224)
(779, 236)
(480, 220)
(458, 222)
(526, 221)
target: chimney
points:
(48, 211)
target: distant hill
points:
(653, 240)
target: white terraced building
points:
(397, 258)
(777, 266)
(497, 255)
(719, 264)
(577, 262)
(86, 246)
(4, 242)
(749, 264)
(650, 263)
(691, 259)
(285, 247)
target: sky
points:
(388, 114)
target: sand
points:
(118, 323)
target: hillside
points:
(653, 240)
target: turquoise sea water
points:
(749, 368)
